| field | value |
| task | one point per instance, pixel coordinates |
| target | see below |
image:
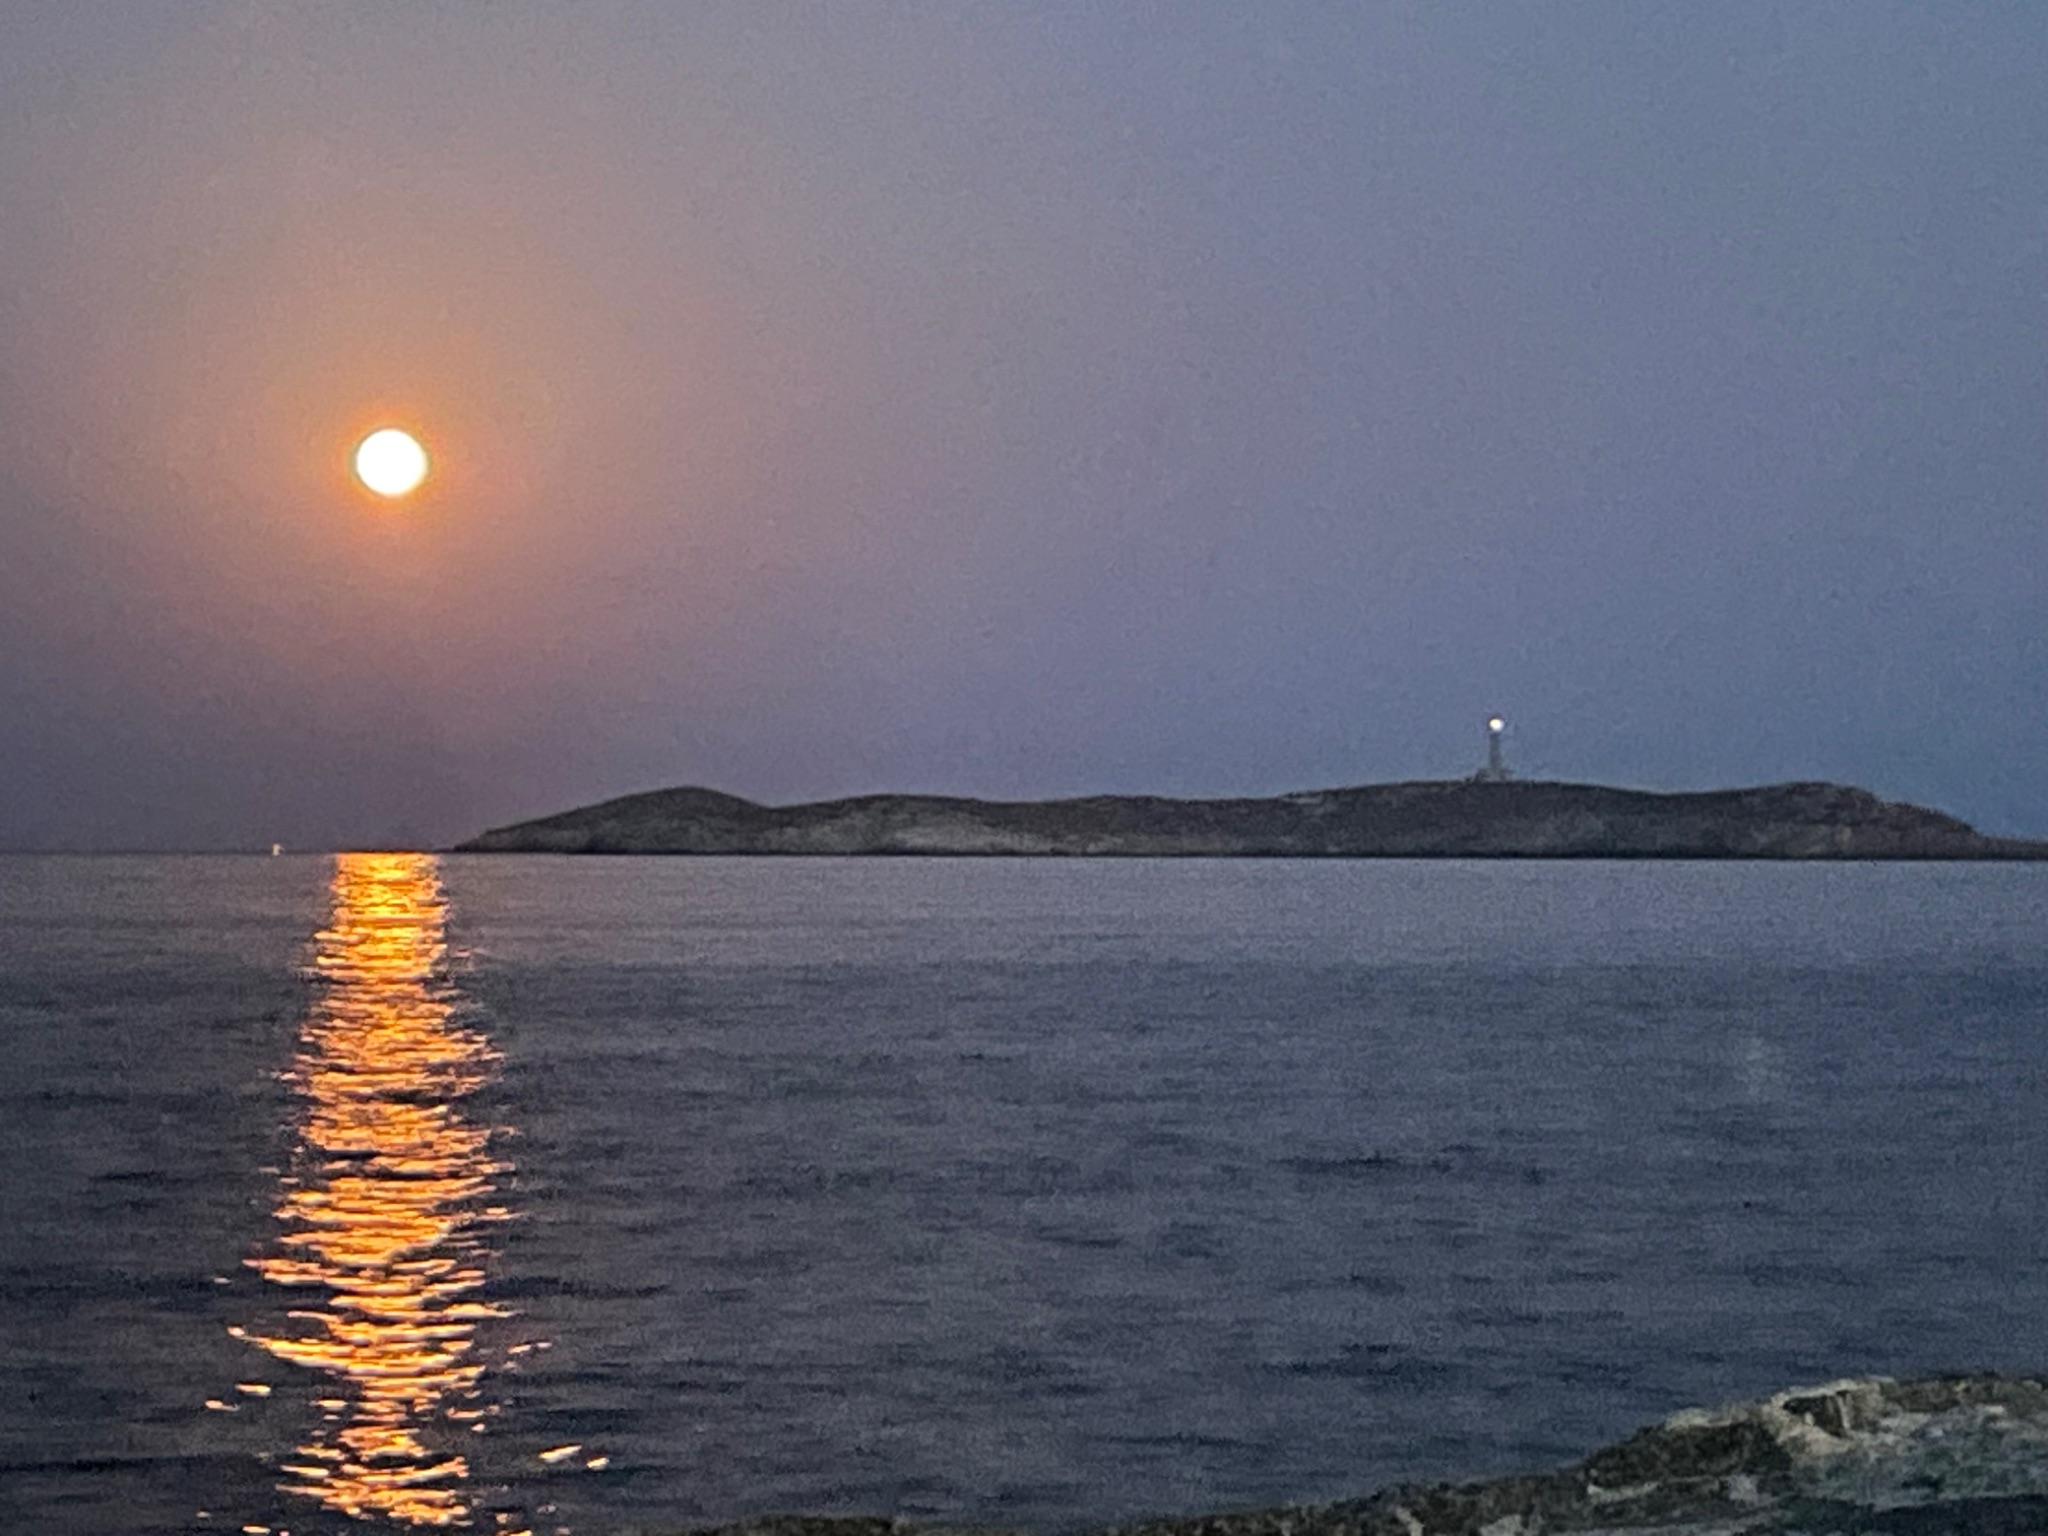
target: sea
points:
(585, 1195)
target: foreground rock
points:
(1427, 819)
(1961, 1456)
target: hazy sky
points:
(1012, 399)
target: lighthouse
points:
(1496, 769)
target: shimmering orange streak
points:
(384, 1204)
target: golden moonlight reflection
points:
(384, 1206)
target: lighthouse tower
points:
(1496, 769)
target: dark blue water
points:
(1025, 1193)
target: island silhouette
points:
(1480, 817)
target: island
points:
(1480, 817)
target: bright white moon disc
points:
(390, 462)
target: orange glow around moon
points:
(390, 462)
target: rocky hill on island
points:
(1460, 818)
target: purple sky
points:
(1012, 399)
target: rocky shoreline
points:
(1952, 1456)
(1461, 818)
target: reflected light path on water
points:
(384, 1207)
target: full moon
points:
(391, 462)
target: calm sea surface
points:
(587, 1194)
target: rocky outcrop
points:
(1961, 1456)
(1958, 1456)
(1425, 819)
